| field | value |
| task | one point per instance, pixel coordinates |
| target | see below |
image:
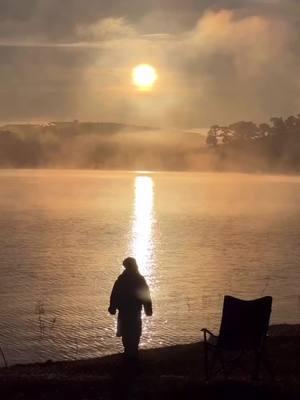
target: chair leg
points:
(221, 358)
(206, 361)
(258, 357)
(266, 362)
(215, 357)
(3, 356)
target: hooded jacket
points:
(129, 294)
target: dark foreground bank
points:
(174, 372)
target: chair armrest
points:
(205, 331)
(212, 339)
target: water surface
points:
(64, 234)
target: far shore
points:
(174, 372)
(201, 172)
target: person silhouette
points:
(129, 294)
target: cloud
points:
(237, 60)
(107, 29)
(56, 20)
(239, 66)
(251, 41)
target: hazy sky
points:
(217, 61)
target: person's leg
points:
(126, 344)
(133, 344)
(130, 342)
(131, 339)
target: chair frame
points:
(217, 350)
(3, 356)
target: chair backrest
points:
(244, 323)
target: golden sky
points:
(74, 60)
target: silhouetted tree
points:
(263, 130)
(278, 126)
(243, 130)
(245, 145)
(212, 136)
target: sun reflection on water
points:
(142, 246)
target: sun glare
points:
(143, 220)
(144, 76)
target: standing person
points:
(129, 294)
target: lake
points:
(196, 236)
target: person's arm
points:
(147, 302)
(113, 304)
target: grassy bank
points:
(174, 372)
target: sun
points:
(144, 76)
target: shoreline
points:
(54, 169)
(169, 372)
(283, 329)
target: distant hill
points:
(241, 146)
(96, 145)
(73, 127)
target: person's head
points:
(130, 264)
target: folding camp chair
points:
(243, 330)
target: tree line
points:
(248, 130)
(245, 145)
(241, 146)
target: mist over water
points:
(64, 234)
